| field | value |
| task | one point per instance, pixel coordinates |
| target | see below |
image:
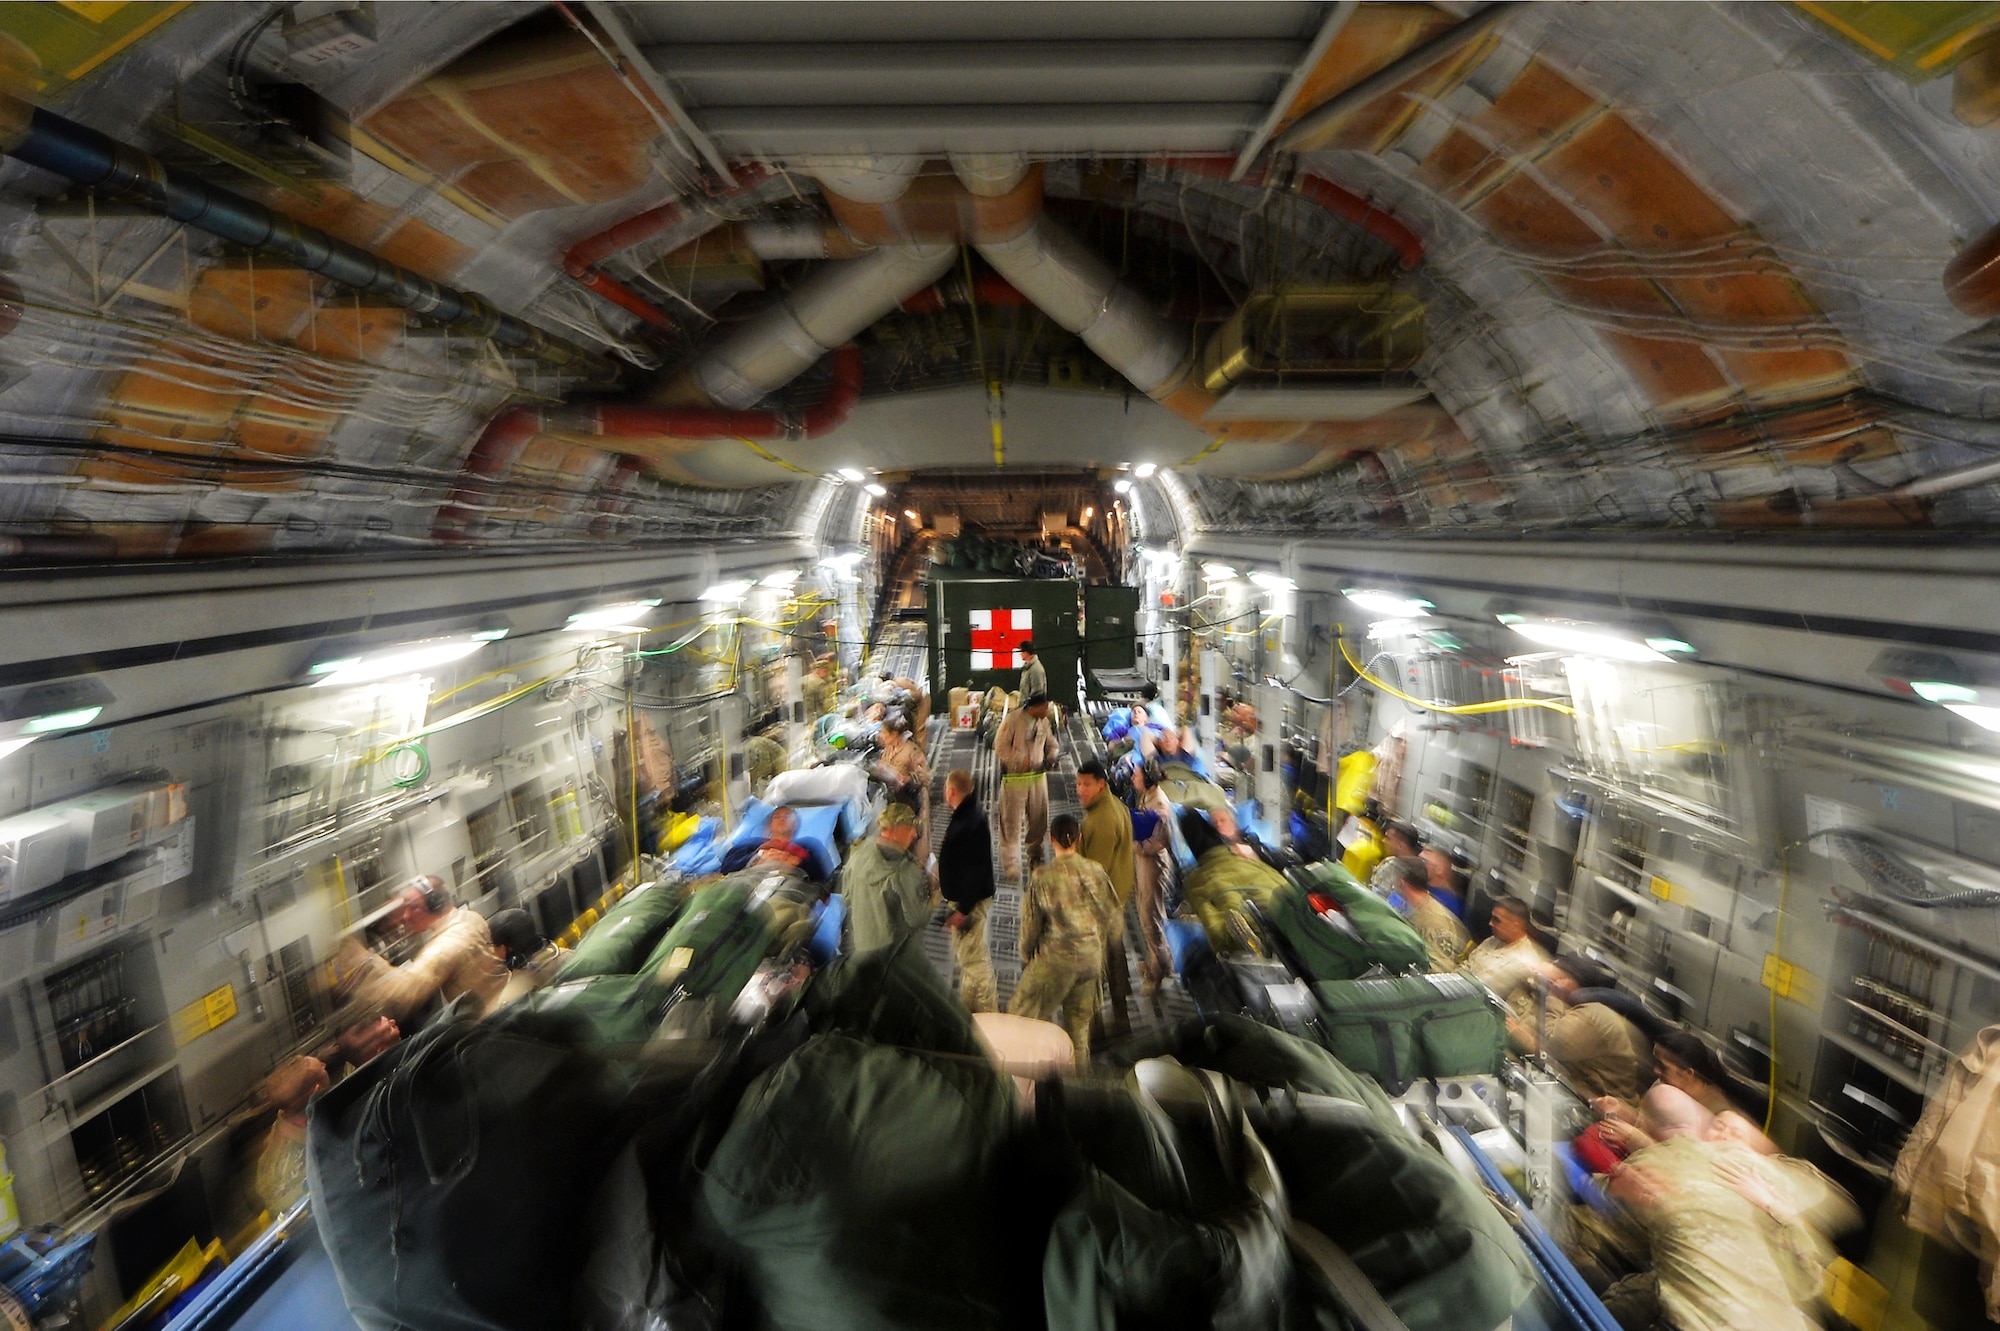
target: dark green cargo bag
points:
(619, 1009)
(726, 929)
(620, 942)
(1398, 1030)
(1327, 952)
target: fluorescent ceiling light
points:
(1394, 605)
(1274, 582)
(852, 475)
(1568, 635)
(628, 617)
(8, 746)
(1218, 572)
(1396, 628)
(1144, 471)
(731, 590)
(913, 515)
(1671, 646)
(1986, 717)
(784, 577)
(877, 489)
(407, 659)
(1122, 486)
(1937, 690)
(70, 720)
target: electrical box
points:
(34, 853)
(108, 823)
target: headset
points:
(436, 899)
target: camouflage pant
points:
(975, 963)
(1060, 987)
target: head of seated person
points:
(1669, 1112)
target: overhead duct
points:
(1070, 284)
(836, 302)
(987, 199)
(97, 161)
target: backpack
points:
(451, 1175)
(1400, 1029)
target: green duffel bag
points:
(1400, 1029)
(1379, 937)
(620, 942)
(620, 1009)
(726, 929)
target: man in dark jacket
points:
(965, 877)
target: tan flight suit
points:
(1065, 915)
(1510, 970)
(1443, 932)
(1602, 1053)
(1715, 1267)
(456, 958)
(905, 765)
(1025, 749)
(1949, 1172)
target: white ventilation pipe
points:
(990, 175)
(825, 311)
(866, 179)
(1074, 287)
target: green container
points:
(975, 622)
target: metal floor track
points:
(1079, 739)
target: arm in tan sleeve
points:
(401, 990)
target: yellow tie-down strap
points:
(1022, 776)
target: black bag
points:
(451, 1175)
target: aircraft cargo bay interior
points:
(678, 665)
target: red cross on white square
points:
(997, 636)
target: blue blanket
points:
(816, 833)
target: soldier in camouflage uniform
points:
(1066, 914)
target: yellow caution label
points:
(1662, 889)
(1857, 1297)
(204, 1014)
(96, 11)
(1784, 979)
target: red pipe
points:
(499, 445)
(582, 258)
(493, 453)
(1409, 246)
(987, 289)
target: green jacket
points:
(1034, 679)
(887, 896)
(1218, 885)
(1107, 839)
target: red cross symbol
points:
(997, 636)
